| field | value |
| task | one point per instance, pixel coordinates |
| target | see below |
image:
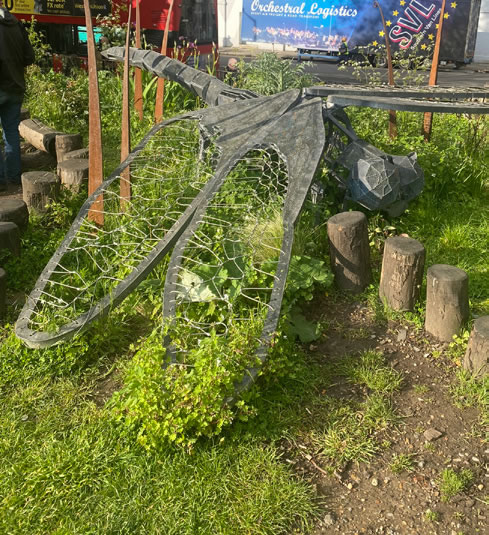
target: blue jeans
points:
(10, 168)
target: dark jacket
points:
(16, 53)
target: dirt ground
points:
(371, 498)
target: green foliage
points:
(181, 402)
(452, 482)
(268, 74)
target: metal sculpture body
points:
(208, 186)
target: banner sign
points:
(322, 24)
(72, 8)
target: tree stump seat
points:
(476, 359)
(79, 154)
(14, 210)
(67, 143)
(349, 251)
(39, 189)
(402, 272)
(10, 237)
(447, 301)
(72, 173)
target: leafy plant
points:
(268, 74)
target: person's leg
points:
(10, 119)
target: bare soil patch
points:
(433, 433)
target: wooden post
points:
(67, 143)
(349, 251)
(10, 237)
(14, 210)
(160, 87)
(402, 272)
(390, 73)
(39, 188)
(476, 359)
(428, 116)
(96, 168)
(138, 75)
(447, 301)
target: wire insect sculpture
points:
(215, 197)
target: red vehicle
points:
(62, 22)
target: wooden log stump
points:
(10, 237)
(37, 160)
(476, 359)
(39, 189)
(3, 292)
(349, 251)
(72, 173)
(14, 210)
(39, 135)
(447, 301)
(79, 154)
(402, 272)
(67, 143)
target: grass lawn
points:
(71, 466)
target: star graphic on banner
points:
(402, 2)
(446, 15)
(381, 33)
(431, 37)
(454, 4)
(423, 47)
(395, 13)
(388, 23)
(437, 26)
(374, 43)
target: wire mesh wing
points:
(228, 271)
(96, 267)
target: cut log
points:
(10, 237)
(402, 272)
(39, 135)
(72, 173)
(447, 301)
(14, 210)
(67, 143)
(39, 189)
(349, 251)
(3, 292)
(80, 154)
(476, 359)
(37, 160)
